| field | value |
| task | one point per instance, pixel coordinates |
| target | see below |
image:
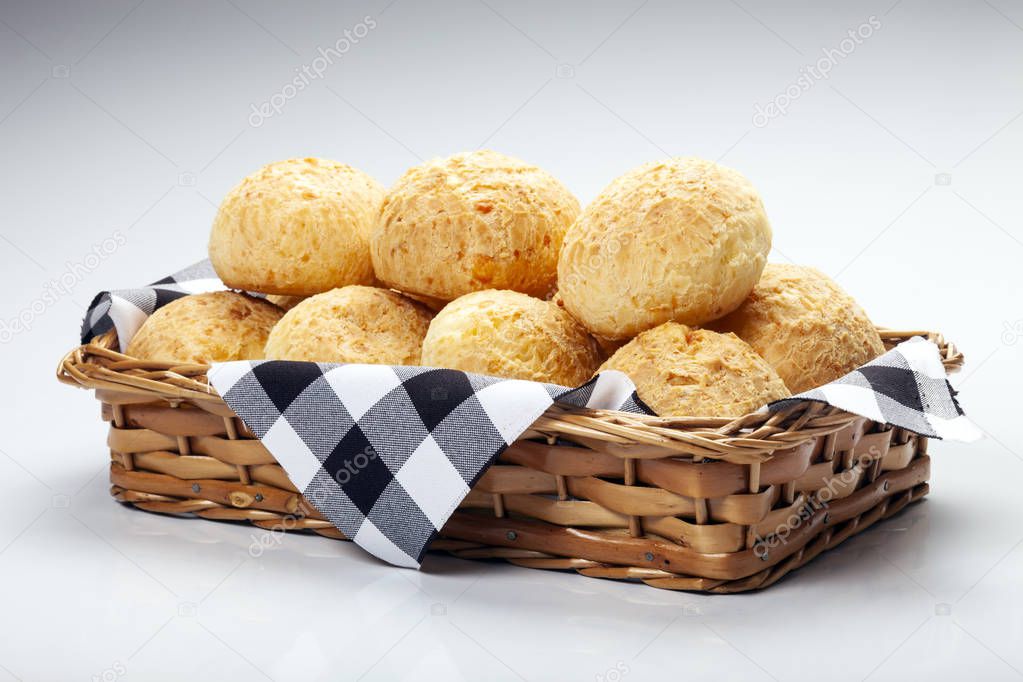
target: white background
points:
(132, 120)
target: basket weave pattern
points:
(711, 504)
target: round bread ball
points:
(805, 326)
(469, 222)
(512, 335)
(681, 240)
(296, 227)
(352, 324)
(203, 328)
(679, 371)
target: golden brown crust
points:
(202, 328)
(682, 239)
(296, 227)
(352, 324)
(509, 334)
(469, 222)
(809, 329)
(680, 371)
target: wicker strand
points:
(126, 457)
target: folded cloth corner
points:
(387, 454)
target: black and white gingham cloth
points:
(127, 309)
(906, 387)
(386, 454)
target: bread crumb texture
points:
(352, 324)
(297, 227)
(809, 329)
(681, 240)
(509, 334)
(679, 371)
(202, 328)
(469, 222)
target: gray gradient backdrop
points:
(123, 123)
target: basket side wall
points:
(676, 522)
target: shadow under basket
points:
(705, 504)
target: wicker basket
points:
(719, 505)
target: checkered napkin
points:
(386, 454)
(127, 309)
(906, 387)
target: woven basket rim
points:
(751, 438)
